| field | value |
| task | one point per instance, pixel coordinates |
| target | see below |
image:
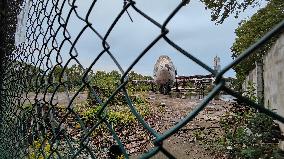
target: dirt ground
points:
(168, 110)
(186, 142)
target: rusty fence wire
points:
(34, 126)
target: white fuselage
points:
(164, 71)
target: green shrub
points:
(36, 150)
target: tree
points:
(222, 9)
(253, 29)
(74, 76)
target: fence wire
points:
(33, 125)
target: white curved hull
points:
(164, 72)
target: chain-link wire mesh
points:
(34, 125)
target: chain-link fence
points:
(34, 125)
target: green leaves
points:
(253, 29)
(249, 134)
(220, 10)
(117, 112)
(70, 76)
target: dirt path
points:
(186, 143)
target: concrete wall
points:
(269, 80)
(268, 77)
(250, 78)
(256, 77)
(273, 76)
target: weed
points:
(36, 147)
(248, 133)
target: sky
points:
(192, 29)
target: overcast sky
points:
(191, 28)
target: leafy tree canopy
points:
(222, 9)
(253, 29)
